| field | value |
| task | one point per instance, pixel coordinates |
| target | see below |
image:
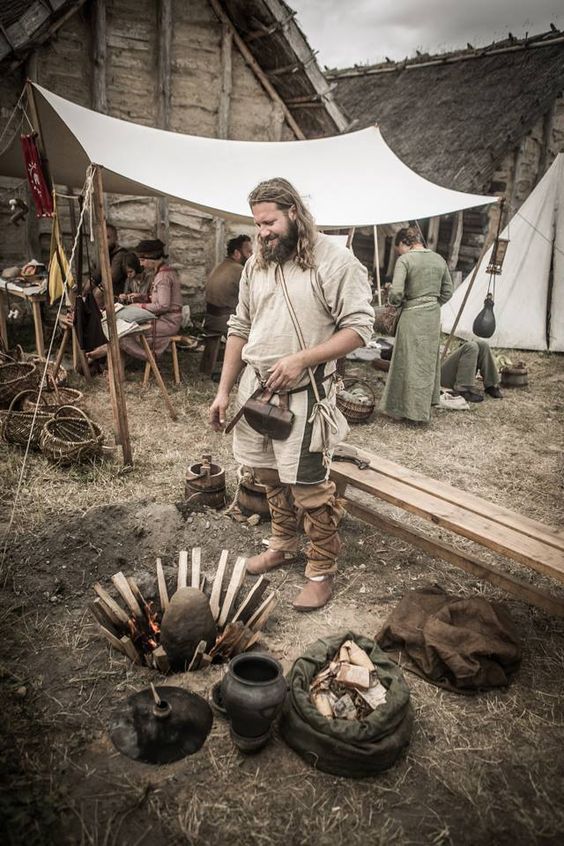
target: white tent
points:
(348, 180)
(529, 294)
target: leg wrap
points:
(282, 511)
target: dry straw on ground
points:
(482, 769)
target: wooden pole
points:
(120, 410)
(257, 70)
(490, 238)
(164, 87)
(223, 115)
(377, 266)
(350, 238)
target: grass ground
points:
(479, 770)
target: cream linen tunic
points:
(336, 295)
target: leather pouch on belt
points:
(273, 421)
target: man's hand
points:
(217, 411)
(286, 372)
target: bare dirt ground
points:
(487, 769)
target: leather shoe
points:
(470, 395)
(267, 561)
(493, 391)
(314, 595)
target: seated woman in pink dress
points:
(163, 300)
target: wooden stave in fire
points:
(135, 631)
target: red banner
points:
(36, 178)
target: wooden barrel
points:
(205, 484)
(251, 497)
(514, 377)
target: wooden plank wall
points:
(65, 66)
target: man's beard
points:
(284, 246)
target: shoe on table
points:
(493, 391)
(470, 395)
(314, 595)
(268, 560)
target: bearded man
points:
(331, 298)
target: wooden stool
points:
(210, 355)
(185, 342)
(78, 355)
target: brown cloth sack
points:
(461, 644)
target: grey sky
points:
(348, 32)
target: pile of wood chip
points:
(348, 687)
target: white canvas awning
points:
(347, 180)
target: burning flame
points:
(147, 637)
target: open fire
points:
(135, 630)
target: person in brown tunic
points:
(222, 287)
(163, 299)
(117, 255)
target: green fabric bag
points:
(355, 749)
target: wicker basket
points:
(17, 425)
(70, 436)
(16, 377)
(8, 356)
(356, 412)
(52, 398)
(40, 364)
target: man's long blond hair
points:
(283, 193)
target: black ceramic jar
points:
(252, 692)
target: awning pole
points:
(377, 266)
(487, 244)
(119, 408)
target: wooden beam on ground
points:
(182, 580)
(539, 556)
(160, 660)
(113, 341)
(161, 584)
(456, 496)
(256, 68)
(215, 598)
(465, 560)
(196, 566)
(237, 579)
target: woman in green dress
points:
(420, 285)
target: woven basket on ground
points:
(16, 377)
(52, 398)
(356, 411)
(7, 356)
(70, 436)
(40, 364)
(18, 424)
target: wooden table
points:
(31, 294)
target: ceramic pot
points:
(252, 691)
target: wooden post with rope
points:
(119, 407)
(487, 244)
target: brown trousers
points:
(321, 513)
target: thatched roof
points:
(266, 27)
(452, 117)
(269, 29)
